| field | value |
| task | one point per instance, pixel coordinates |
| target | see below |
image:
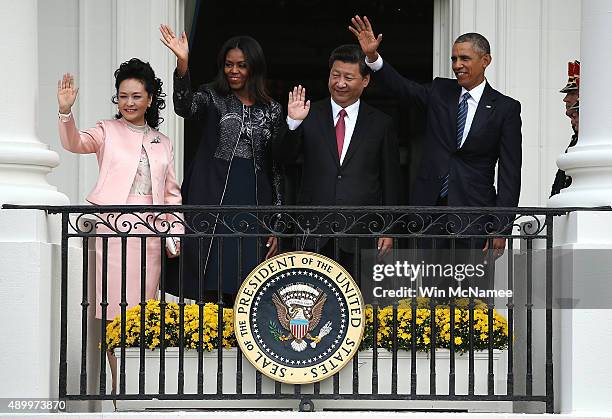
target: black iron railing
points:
(299, 228)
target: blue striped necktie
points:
(461, 117)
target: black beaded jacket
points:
(230, 129)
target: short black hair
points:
(350, 53)
(479, 42)
(256, 64)
(139, 70)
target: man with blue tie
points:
(470, 129)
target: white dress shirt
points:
(475, 95)
(349, 122)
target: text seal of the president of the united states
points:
(299, 317)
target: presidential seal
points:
(299, 317)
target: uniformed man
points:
(572, 88)
(572, 106)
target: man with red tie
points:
(349, 149)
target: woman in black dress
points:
(233, 164)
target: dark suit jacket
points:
(494, 138)
(369, 174)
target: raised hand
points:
(178, 45)
(298, 107)
(362, 29)
(66, 93)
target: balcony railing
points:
(297, 228)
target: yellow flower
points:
(384, 336)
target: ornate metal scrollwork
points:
(158, 220)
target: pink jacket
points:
(118, 150)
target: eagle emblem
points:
(299, 308)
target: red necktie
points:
(340, 131)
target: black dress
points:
(233, 166)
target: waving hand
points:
(362, 29)
(178, 45)
(66, 93)
(298, 107)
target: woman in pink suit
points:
(136, 168)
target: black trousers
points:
(349, 261)
(445, 250)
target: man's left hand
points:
(272, 246)
(384, 245)
(499, 245)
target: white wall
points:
(531, 43)
(543, 43)
(90, 39)
(60, 28)
(29, 293)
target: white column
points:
(583, 375)
(29, 254)
(24, 160)
(581, 345)
(589, 163)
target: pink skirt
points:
(133, 262)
